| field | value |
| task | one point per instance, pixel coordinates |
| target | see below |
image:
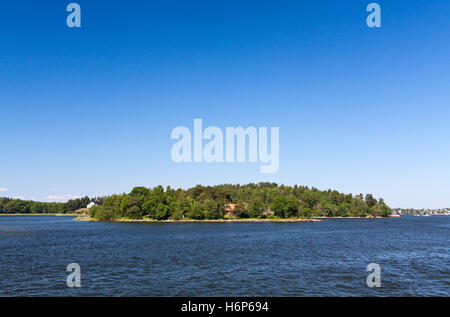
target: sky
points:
(89, 111)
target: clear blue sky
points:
(89, 111)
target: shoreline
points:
(79, 217)
(248, 220)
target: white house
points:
(92, 204)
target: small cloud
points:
(2, 189)
(18, 197)
(62, 197)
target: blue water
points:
(207, 259)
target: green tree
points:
(278, 206)
(256, 208)
(196, 211)
(162, 212)
(241, 210)
(291, 208)
(134, 212)
(211, 209)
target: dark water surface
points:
(242, 259)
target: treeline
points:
(18, 206)
(263, 200)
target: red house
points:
(229, 209)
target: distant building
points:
(92, 204)
(230, 209)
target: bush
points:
(162, 212)
(102, 213)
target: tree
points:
(305, 212)
(17, 206)
(211, 209)
(291, 208)
(140, 193)
(162, 212)
(330, 210)
(278, 206)
(256, 208)
(134, 212)
(102, 213)
(370, 201)
(241, 210)
(197, 212)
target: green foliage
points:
(291, 208)
(102, 213)
(196, 211)
(256, 208)
(12, 206)
(134, 212)
(162, 212)
(278, 206)
(241, 210)
(305, 212)
(17, 206)
(211, 209)
(209, 202)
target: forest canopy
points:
(18, 206)
(263, 200)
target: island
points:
(221, 203)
